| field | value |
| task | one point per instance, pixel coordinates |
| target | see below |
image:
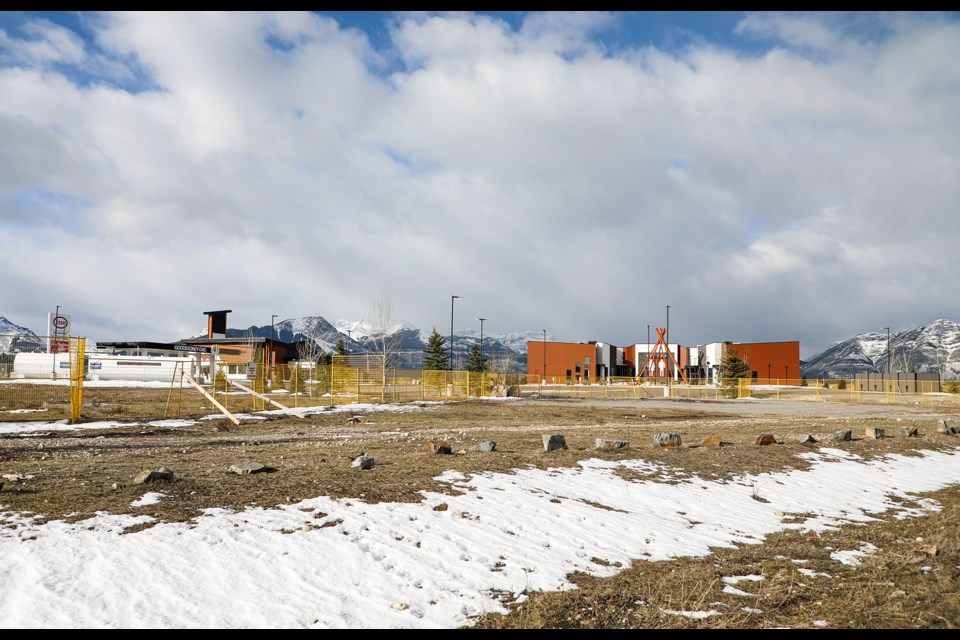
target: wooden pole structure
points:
(210, 398)
(265, 398)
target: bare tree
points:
(386, 341)
(902, 359)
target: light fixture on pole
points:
(481, 341)
(543, 377)
(452, 298)
(888, 349)
(668, 335)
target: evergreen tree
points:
(435, 356)
(732, 368)
(476, 361)
(341, 348)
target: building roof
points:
(155, 346)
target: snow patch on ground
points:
(696, 615)
(281, 567)
(149, 498)
(852, 557)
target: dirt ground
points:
(77, 473)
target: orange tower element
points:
(660, 353)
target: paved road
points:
(754, 406)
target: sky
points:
(768, 176)
(347, 563)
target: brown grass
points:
(75, 473)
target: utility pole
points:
(481, 337)
(452, 298)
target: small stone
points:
(354, 419)
(765, 439)
(438, 447)
(929, 549)
(306, 527)
(399, 606)
(117, 486)
(362, 461)
(602, 443)
(554, 442)
(804, 438)
(873, 433)
(899, 593)
(910, 432)
(711, 441)
(666, 439)
(147, 476)
(484, 447)
(16, 478)
(779, 513)
(843, 435)
(246, 468)
(953, 431)
(942, 426)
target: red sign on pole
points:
(59, 346)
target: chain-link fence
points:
(37, 385)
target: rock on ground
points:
(843, 435)
(246, 468)
(711, 441)
(666, 439)
(362, 461)
(147, 476)
(484, 447)
(603, 443)
(554, 442)
(805, 437)
(765, 439)
(873, 433)
(438, 447)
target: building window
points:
(586, 362)
(578, 367)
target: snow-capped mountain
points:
(508, 352)
(13, 337)
(931, 348)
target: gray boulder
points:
(666, 439)
(484, 447)
(362, 461)
(603, 443)
(554, 442)
(148, 476)
(246, 468)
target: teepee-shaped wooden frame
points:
(660, 353)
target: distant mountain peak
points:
(934, 347)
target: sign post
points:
(58, 333)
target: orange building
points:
(565, 361)
(770, 362)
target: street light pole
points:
(544, 376)
(452, 298)
(768, 372)
(481, 341)
(668, 338)
(273, 338)
(888, 349)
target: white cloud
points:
(272, 166)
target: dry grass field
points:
(77, 473)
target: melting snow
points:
(239, 569)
